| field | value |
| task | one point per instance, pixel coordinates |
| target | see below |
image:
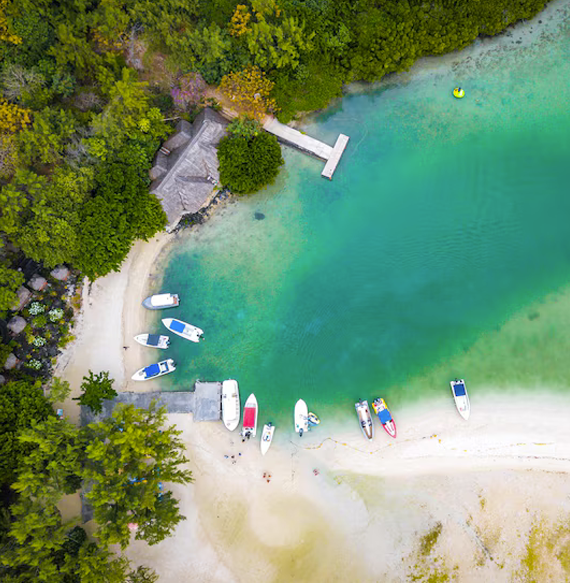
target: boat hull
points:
(250, 411)
(146, 340)
(461, 398)
(384, 416)
(267, 437)
(161, 301)
(230, 404)
(301, 417)
(365, 419)
(164, 367)
(183, 329)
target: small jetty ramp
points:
(204, 402)
(293, 137)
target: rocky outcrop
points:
(16, 325)
(61, 273)
(24, 297)
(37, 283)
(11, 362)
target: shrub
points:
(39, 321)
(34, 364)
(36, 308)
(55, 315)
(248, 164)
(39, 341)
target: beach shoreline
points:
(236, 519)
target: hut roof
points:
(185, 170)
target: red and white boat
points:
(250, 410)
(381, 409)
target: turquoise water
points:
(446, 224)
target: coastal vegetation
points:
(95, 389)
(120, 463)
(249, 157)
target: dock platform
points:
(335, 156)
(204, 402)
(295, 138)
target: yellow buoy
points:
(458, 93)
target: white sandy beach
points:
(490, 482)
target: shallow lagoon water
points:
(441, 248)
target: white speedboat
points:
(230, 404)
(301, 417)
(461, 397)
(153, 340)
(267, 437)
(192, 333)
(249, 428)
(365, 418)
(154, 371)
(161, 301)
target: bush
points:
(36, 308)
(249, 164)
(39, 321)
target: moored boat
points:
(154, 371)
(161, 301)
(230, 404)
(187, 331)
(267, 437)
(365, 418)
(461, 398)
(250, 409)
(301, 417)
(313, 419)
(381, 409)
(153, 340)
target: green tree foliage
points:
(53, 466)
(96, 388)
(277, 45)
(249, 163)
(20, 403)
(46, 140)
(10, 281)
(41, 216)
(127, 457)
(59, 390)
(121, 210)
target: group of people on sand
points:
(233, 457)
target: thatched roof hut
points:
(185, 169)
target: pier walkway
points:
(204, 402)
(295, 138)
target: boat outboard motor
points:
(301, 432)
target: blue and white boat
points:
(192, 333)
(153, 340)
(161, 301)
(154, 371)
(461, 398)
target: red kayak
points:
(381, 409)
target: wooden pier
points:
(295, 138)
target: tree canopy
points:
(249, 159)
(96, 388)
